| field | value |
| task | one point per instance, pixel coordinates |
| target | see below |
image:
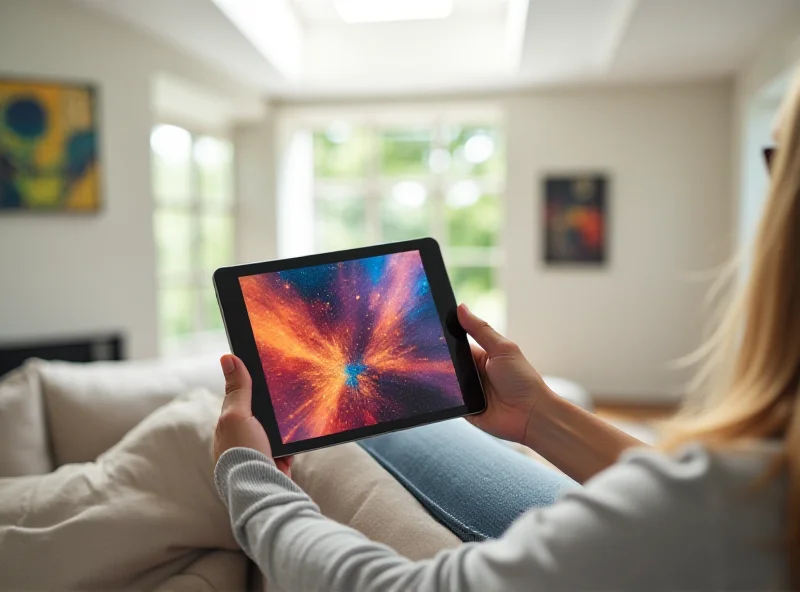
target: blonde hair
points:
(755, 353)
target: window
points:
(388, 183)
(193, 227)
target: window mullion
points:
(372, 187)
(439, 224)
(197, 242)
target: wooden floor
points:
(644, 414)
(636, 413)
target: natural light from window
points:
(378, 11)
(382, 183)
(193, 227)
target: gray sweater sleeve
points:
(642, 524)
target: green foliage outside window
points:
(444, 181)
(470, 143)
(192, 226)
(340, 222)
(475, 225)
(404, 152)
(340, 156)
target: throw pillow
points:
(23, 437)
(143, 512)
(90, 407)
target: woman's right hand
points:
(512, 386)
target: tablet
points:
(346, 345)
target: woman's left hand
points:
(237, 426)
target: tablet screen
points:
(350, 344)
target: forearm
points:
(297, 548)
(577, 442)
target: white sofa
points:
(106, 481)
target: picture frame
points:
(49, 147)
(575, 219)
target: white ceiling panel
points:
(563, 42)
(572, 40)
(695, 39)
(199, 28)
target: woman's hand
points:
(237, 427)
(512, 386)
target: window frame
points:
(196, 280)
(373, 185)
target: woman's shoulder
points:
(656, 520)
(694, 488)
(691, 486)
(695, 464)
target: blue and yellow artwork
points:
(48, 147)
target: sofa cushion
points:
(216, 571)
(142, 513)
(24, 448)
(90, 407)
(349, 486)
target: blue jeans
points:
(474, 484)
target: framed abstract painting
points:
(575, 219)
(48, 147)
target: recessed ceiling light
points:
(381, 11)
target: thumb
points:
(490, 340)
(238, 386)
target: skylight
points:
(272, 27)
(381, 11)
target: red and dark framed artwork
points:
(575, 220)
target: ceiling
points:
(301, 48)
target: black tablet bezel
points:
(242, 341)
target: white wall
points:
(757, 121)
(758, 90)
(667, 153)
(66, 274)
(777, 57)
(256, 222)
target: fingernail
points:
(466, 308)
(228, 365)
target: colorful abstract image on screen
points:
(350, 344)
(48, 147)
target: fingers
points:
(490, 340)
(238, 386)
(480, 356)
(285, 465)
(477, 351)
